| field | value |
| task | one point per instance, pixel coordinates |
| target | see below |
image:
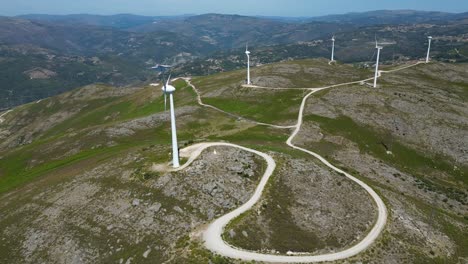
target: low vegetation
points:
(95, 146)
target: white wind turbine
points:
(377, 63)
(333, 49)
(169, 89)
(428, 49)
(247, 52)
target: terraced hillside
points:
(77, 182)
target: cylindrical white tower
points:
(333, 50)
(377, 66)
(175, 147)
(248, 66)
(428, 49)
(169, 89)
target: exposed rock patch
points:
(40, 73)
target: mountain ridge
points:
(96, 50)
(128, 21)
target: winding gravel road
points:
(213, 234)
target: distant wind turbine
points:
(379, 48)
(169, 89)
(333, 49)
(428, 49)
(247, 52)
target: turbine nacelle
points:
(247, 52)
(168, 89)
(377, 45)
(429, 37)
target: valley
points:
(43, 56)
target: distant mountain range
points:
(120, 21)
(391, 17)
(133, 22)
(41, 55)
(233, 31)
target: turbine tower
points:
(169, 90)
(428, 49)
(377, 63)
(247, 52)
(333, 49)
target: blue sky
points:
(243, 7)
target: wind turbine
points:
(428, 49)
(333, 49)
(169, 89)
(247, 52)
(377, 63)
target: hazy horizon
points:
(234, 14)
(281, 8)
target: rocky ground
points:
(116, 214)
(427, 113)
(418, 223)
(307, 208)
(428, 207)
(364, 131)
(306, 74)
(76, 184)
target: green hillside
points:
(76, 169)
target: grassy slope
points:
(16, 171)
(269, 106)
(16, 168)
(15, 164)
(371, 140)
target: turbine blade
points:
(164, 85)
(168, 79)
(165, 95)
